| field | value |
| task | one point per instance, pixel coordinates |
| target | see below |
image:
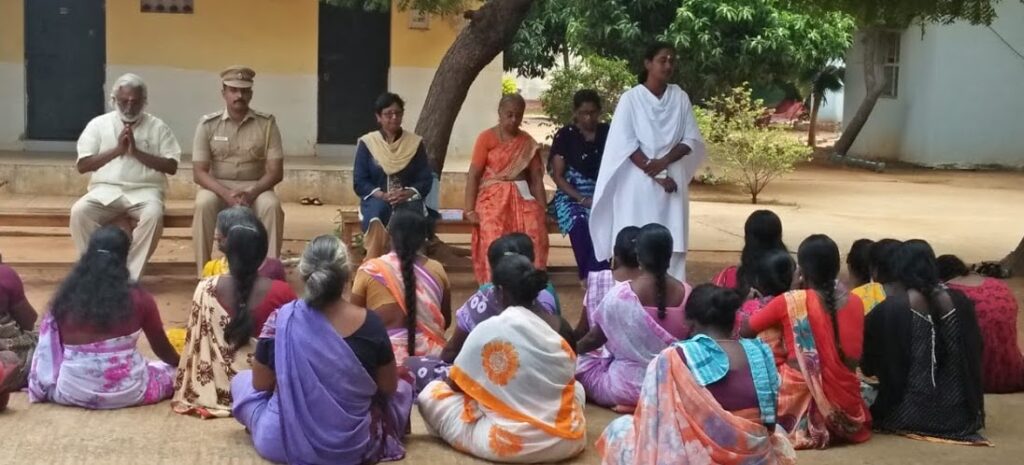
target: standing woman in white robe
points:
(654, 148)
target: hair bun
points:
(729, 300)
(536, 280)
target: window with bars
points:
(166, 6)
(891, 63)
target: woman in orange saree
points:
(505, 187)
(820, 401)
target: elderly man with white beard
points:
(129, 153)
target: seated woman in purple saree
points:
(633, 324)
(324, 388)
(625, 267)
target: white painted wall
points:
(479, 111)
(12, 110)
(180, 97)
(832, 110)
(961, 97)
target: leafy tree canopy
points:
(900, 13)
(542, 39)
(721, 43)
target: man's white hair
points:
(131, 81)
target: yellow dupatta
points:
(392, 156)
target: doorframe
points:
(343, 150)
(53, 145)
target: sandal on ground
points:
(305, 201)
(316, 201)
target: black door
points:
(355, 52)
(65, 55)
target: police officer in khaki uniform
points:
(237, 159)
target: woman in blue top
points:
(575, 158)
(391, 172)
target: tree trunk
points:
(565, 56)
(874, 80)
(812, 130)
(1015, 260)
(489, 31)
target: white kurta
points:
(624, 195)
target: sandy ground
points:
(974, 214)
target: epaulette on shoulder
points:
(210, 116)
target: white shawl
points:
(625, 196)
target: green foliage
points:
(542, 38)
(609, 77)
(508, 85)
(818, 83)
(428, 6)
(901, 13)
(751, 155)
(720, 43)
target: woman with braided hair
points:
(924, 345)
(228, 313)
(635, 321)
(409, 291)
(823, 329)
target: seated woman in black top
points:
(391, 172)
(307, 400)
(924, 345)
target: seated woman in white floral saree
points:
(512, 395)
(87, 355)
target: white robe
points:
(624, 195)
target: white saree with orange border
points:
(519, 401)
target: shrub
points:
(508, 85)
(751, 155)
(609, 77)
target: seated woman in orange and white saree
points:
(511, 395)
(710, 399)
(505, 187)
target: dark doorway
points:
(355, 53)
(65, 56)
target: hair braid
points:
(828, 295)
(238, 330)
(660, 287)
(408, 233)
(246, 250)
(408, 259)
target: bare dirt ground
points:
(975, 214)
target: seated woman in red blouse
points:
(1002, 365)
(228, 312)
(823, 331)
(87, 355)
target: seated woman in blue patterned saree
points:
(574, 162)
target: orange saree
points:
(500, 201)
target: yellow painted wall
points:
(421, 48)
(12, 31)
(271, 36)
